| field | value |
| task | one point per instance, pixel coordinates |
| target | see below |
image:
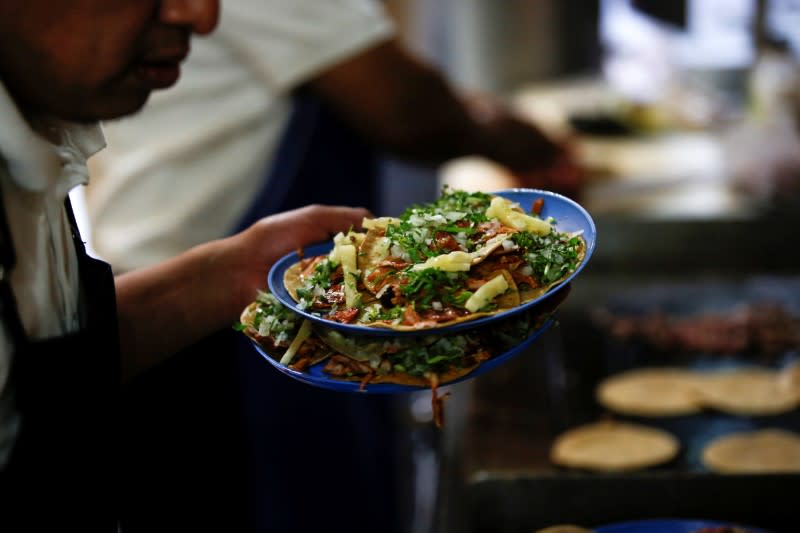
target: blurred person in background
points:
(70, 330)
(239, 91)
(286, 104)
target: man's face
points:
(89, 60)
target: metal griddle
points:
(505, 480)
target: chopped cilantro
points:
(431, 284)
(441, 354)
(550, 256)
(456, 212)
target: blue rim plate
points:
(315, 376)
(670, 526)
(569, 217)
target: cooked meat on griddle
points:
(761, 328)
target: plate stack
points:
(443, 293)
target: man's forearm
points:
(164, 308)
(401, 104)
(408, 108)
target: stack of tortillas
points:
(764, 451)
(672, 391)
(610, 446)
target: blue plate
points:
(315, 376)
(670, 526)
(568, 215)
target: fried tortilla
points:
(275, 328)
(420, 360)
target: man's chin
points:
(117, 109)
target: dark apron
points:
(240, 446)
(62, 473)
(343, 451)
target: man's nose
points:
(200, 15)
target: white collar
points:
(36, 163)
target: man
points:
(64, 66)
(287, 103)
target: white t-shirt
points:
(36, 174)
(185, 169)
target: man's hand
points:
(206, 288)
(253, 252)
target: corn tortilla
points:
(748, 392)
(651, 392)
(755, 452)
(610, 446)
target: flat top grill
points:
(517, 410)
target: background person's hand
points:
(536, 160)
(565, 176)
(511, 140)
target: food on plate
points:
(651, 392)
(748, 391)
(419, 360)
(610, 446)
(754, 452)
(281, 331)
(463, 256)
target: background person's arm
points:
(167, 307)
(409, 109)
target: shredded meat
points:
(446, 242)
(344, 315)
(430, 317)
(335, 295)
(445, 315)
(437, 402)
(383, 275)
(489, 229)
(301, 364)
(412, 318)
(342, 366)
(307, 266)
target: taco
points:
(420, 360)
(281, 332)
(464, 256)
